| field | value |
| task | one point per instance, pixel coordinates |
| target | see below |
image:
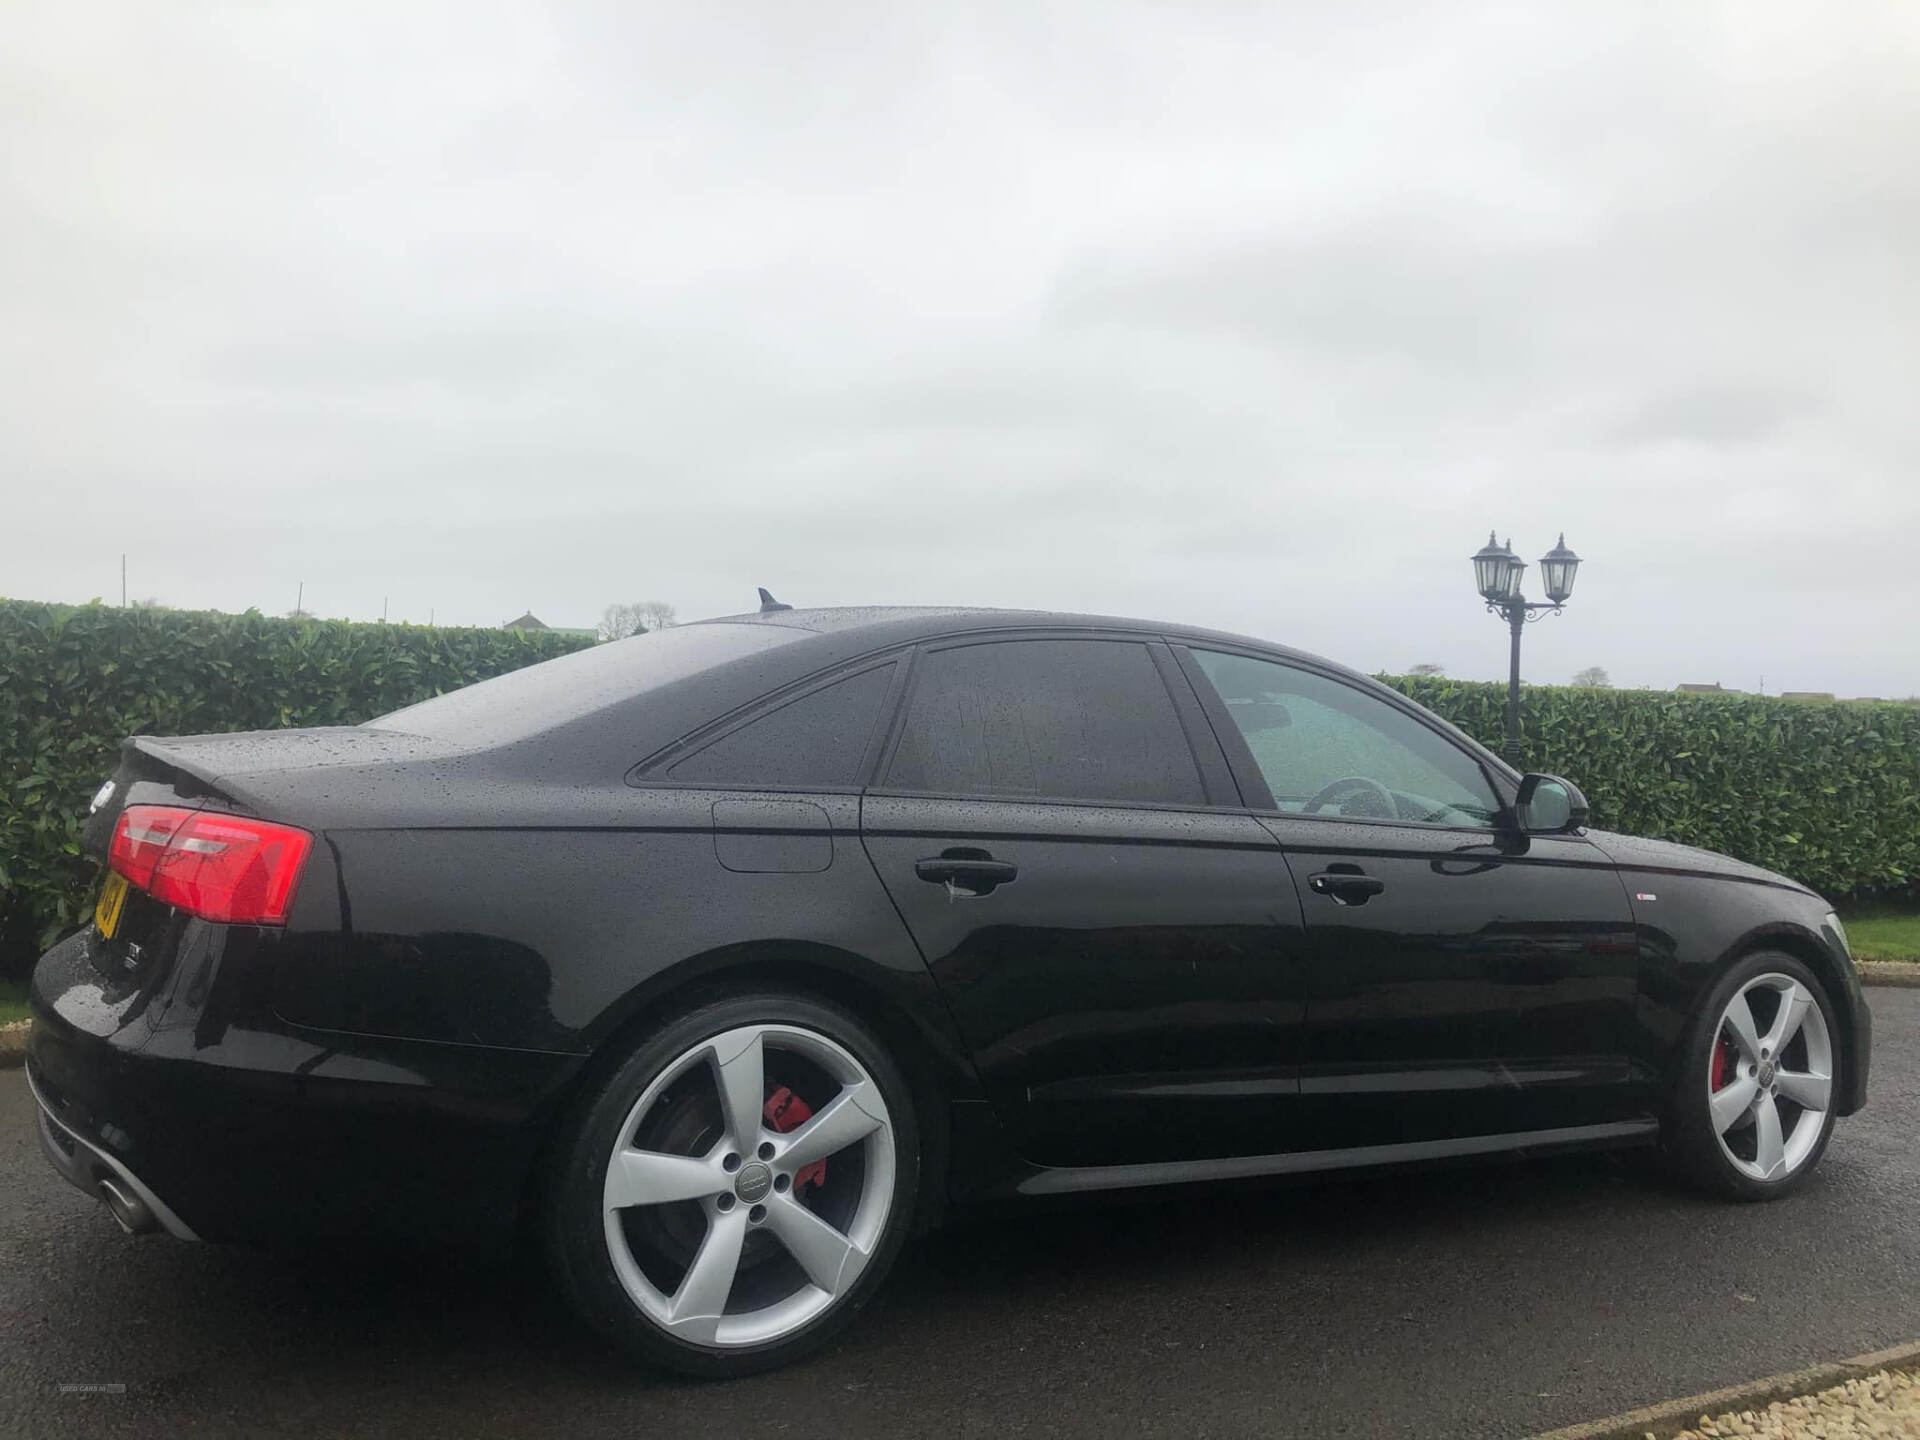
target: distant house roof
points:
(528, 621)
(1806, 695)
(1714, 689)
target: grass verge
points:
(1883, 934)
(13, 1001)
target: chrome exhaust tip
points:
(130, 1212)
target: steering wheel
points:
(1355, 784)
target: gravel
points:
(1885, 1403)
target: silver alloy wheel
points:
(745, 1185)
(1756, 1071)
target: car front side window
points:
(1327, 748)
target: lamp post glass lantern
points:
(1556, 572)
(1497, 574)
(1490, 568)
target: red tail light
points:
(141, 837)
(220, 867)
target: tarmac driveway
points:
(1497, 1300)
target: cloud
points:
(1250, 316)
(1729, 414)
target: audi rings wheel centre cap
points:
(754, 1183)
(1767, 1069)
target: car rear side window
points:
(819, 740)
(1060, 719)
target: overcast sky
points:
(1250, 315)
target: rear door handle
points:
(1345, 887)
(966, 873)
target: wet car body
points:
(513, 890)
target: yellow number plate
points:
(113, 896)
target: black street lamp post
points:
(1496, 574)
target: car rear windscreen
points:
(525, 702)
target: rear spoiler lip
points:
(316, 777)
(194, 785)
(268, 755)
(156, 747)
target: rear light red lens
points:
(141, 837)
(220, 867)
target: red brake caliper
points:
(783, 1111)
(1723, 1062)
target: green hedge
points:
(1828, 793)
(75, 679)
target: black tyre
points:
(737, 1187)
(1752, 1108)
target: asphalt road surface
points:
(1485, 1302)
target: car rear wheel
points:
(737, 1188)
(1754, 1105)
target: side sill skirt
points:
(1069, 1179)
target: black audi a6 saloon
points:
(717, 960)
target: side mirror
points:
(1548, 805)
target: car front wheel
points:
(1754, 1104)
(735, 1190)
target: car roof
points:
(552, 726)
(898, 624)
(859, 629)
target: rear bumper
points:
(87, 1167)
(229, 1124)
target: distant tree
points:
(1594, 677)
(1427, 667)
(300, 615)
(620, 621)
(152, 602)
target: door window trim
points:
(1254, 792)
(1217, 785)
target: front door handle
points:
(966, 873)
(1346, 887)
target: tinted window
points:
(1308, 733)
(1070, 719)
(819, 739)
